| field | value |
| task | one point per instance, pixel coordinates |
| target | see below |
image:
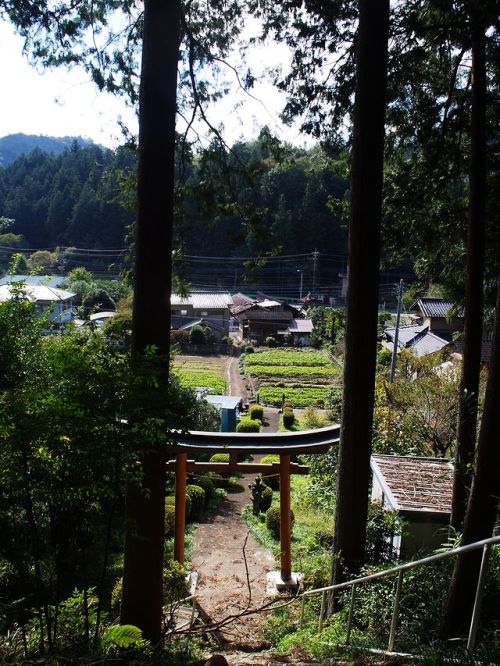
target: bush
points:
(175, 585)
(256, 412)
(267, 498)
(197, 335)
(179, 337)
(288, 417)
(273, 481)
(248, 349)
(206, 483)
(288, 404)
(248, 425)
(169, 519)
(312, 419)
(170, 501)
(197, 495)
(220, 458)
(273, 520)
(270, 341)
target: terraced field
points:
(304, 376)
(198, 371)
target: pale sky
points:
(66, 103)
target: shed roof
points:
(48, 280)
(39, 293)
(414, 484)
(417, 338)
(204, 300)
(301, 326)
(224, 401)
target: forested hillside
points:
(251, 200)
(15, 145)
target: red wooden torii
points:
(285, 444)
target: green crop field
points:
(201, 371)
(299, 357)
(303, 376)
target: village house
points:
(202, 307)
(417, 338)
(419, 490)
(262, 317)
(438, 316)
(57, 303)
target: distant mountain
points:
(14, 145)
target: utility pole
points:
(315, 258)
(299, 270)
(396, 333)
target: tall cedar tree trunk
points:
(469, 384)
(362, 293)
(482, 508)
(142, 579)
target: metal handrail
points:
(485, 544)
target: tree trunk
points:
(483, 502)
(362, 293)
(473, 315)
(142, 579)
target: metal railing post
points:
(349, 617)
(395, 612)
(322, 612)
(471, 641)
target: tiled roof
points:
(39, 293)
(434, 307)
(415, 484)
(417, 338)
(203, 300)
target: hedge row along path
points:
(218, 558)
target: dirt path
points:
(223, 583)
(235, 384)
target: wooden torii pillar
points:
(284, 444)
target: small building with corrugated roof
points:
(419, 490)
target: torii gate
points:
(285, 444)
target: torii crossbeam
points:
(285, 444)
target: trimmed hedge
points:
(248, 425)
(169, 519)
(204, 482)
(219, 457)
(273, 520)
(256, 412)
(197, 496)
(170, 501)
(288, 417)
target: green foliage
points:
(381, 527)
(170, 519)
(296, 358)
(273, 520)
(198, 335)
(333, 404)
(197, 496)
(248, 425)
(123, 636)
(206, 483)
(220, 458)
(201, 378)
(270, 341)
(313, 419)
(256, 412)
(248, 349)
(271, 480)
(267, 498)
(288, 417)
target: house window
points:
(203, 313)
(184, 313)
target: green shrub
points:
(248, 425)
(248, 349)
(206, 483)
(287, 404)
(197, 335)
(270, 341)
(220, 458)
(312, 419)
(267, 498)
(197, 496)
(288, 417)
(273, 481)
(175, 585)
(256, 412)
(169, 519)
(170, 501)
(273, 520)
